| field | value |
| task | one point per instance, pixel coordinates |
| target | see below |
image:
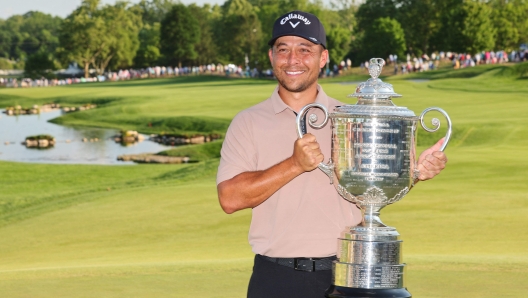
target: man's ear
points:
(270, 55)
(324, 58)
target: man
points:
(297, 214)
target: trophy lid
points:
(374, 98)
(374, 88)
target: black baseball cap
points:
(299, 23)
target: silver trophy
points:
(372, 164)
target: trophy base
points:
(344, 292)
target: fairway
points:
(158, 230)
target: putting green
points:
(158, 231)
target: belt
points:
(304, 264)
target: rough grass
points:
(159, 232)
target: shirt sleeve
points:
(238, 153)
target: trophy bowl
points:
(372, 164)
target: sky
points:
(62, 8)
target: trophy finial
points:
(374, 88)
(375, 67)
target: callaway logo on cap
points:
(299, 23)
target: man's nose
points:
(293, 58)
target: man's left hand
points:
(432, 161)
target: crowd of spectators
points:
(458, 60)
(410, 64)
(488, 57)
(128, 74)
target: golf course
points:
(157, 230)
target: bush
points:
(5, 64)
(40, 65)
(40, 137)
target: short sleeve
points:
(238, 153)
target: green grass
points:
(158, 231)
(33, 189)
(150, 241)
(196, 152)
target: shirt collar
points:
(279, 106)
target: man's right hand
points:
(250, 189)
(306, 153)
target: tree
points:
(40, 64)
(346, 10)
(338, 43)
(82, 35)
(420, 22)
(238, 33)
(205, 47)
(92, 36)
(339, 23)
(372, 10)
(366, 13)
(268, 12)
(478, 31)
(179, 33)
(510, 22)
(148, 53)
(384, 37)
(39, 32)
(24, 35)
(466, 27)
(154, 11)
(121, 37)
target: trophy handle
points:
(436, 124)
(328, 169)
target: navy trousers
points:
(271, 280)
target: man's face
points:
(296, 62)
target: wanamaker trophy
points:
(372, 164)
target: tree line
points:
(156, 32)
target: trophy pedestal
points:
(369, 262)
(344, 292)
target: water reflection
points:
(69, 147)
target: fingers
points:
(431, 165)
(432, 161)
(440, 156)
(435, 148)
(438, 145)
(307, 154)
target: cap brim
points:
(272, 41)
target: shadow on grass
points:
(450, 73)
(10, 100)
(101, 101)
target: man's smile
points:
(293, 73)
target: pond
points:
(69, 147)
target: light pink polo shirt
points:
(305, 217)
